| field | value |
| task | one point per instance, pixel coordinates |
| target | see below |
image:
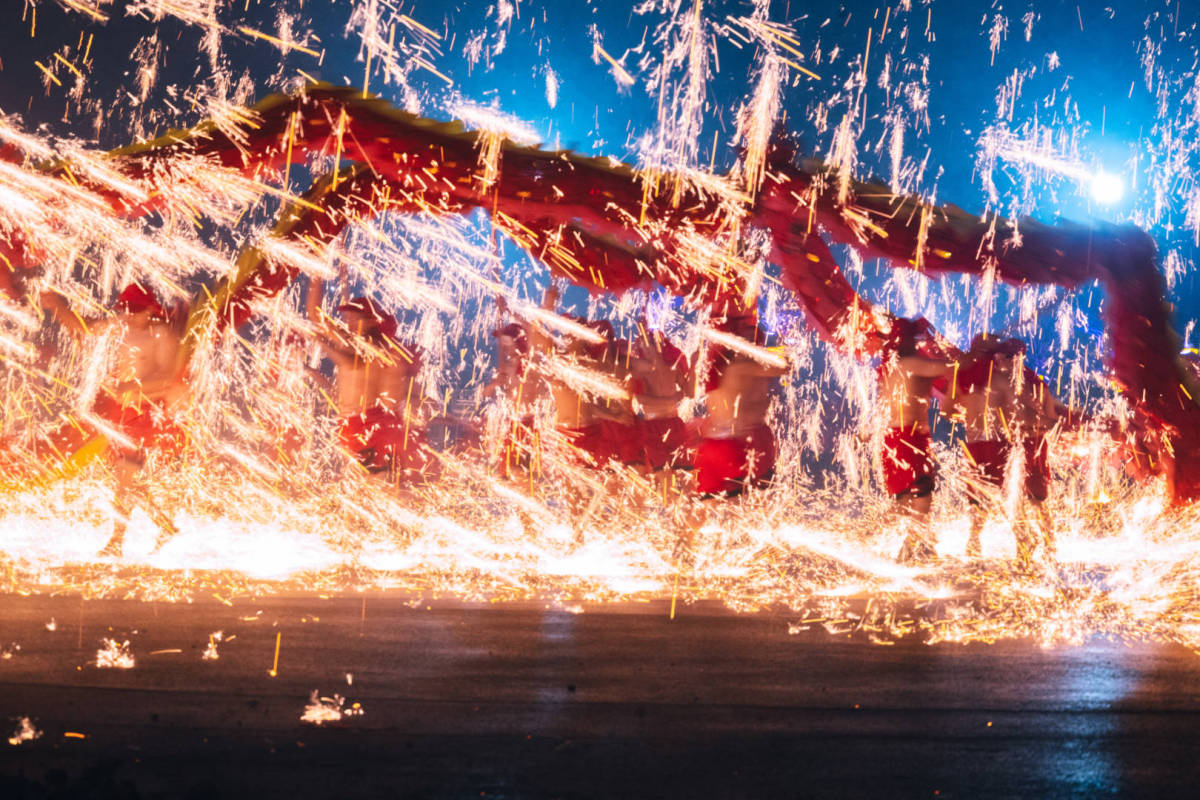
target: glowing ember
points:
(210, 651)
(114, 654)
(329, 709)
(25, 732)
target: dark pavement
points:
(521, 701)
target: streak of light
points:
(280, 43)
(620, 73)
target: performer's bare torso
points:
(573, 407)
(740, 403)
(372, 370)
(985, 410)
(616, 410)
(516, 380)
(906, 387)
(570, 409)
(1037, 408)
(576, 409)
(364, 382)
(146, 359)
(1008, 404)
(663, 385)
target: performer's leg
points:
(584, 513)
(696, 514)
(914, 505)
(978, 517)
(980, 498)
(687, 513)
(989, 460)
(1032, 536)
(1045, 529)
(125, 473)
(1037, 487)
(166, 526)
(1025, 541)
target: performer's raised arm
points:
(539, 339)
(144, 382)
(921, 366)
(996, 419)
(61, 312)
(906, 384)
(329, 335)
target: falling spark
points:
(25, 732)
(552, 85)
(114, 654)
(619, 72)
(210, 650)
(274, 671)
(280, 43)
(328, 709)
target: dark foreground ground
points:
(519, 701)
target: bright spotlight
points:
(1107, 188)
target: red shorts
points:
(907, 467)
(1186, 483)
(147, 424)
(660, 443)
(730, 465)
(520, 442)
(991, 459)
(381, 442)
(601, 442)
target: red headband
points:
(598, 350)
(743, 325)
(985, 348)
(515, 332)
(902, 335)
(988, 345)
(385, 323)
(134, 299)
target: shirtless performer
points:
(599, 431)
(519, 389)
(660, 378)
(1003, 404)
(377, 394)
(736, 450)
(905, 384)
(139, 396)
(512, 364)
